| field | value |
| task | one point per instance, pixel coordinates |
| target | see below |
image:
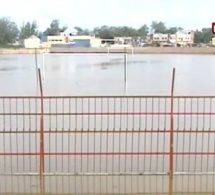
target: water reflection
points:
(8, 68)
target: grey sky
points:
(190, 14)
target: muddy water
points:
(104, 75)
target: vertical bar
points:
(42, 187)
(11, 144)
(56, 144)
(101, 148)
(50, 137)
(138, 142)
(62, 148)
(151, 144)
(81, 139)
(17, 145)
(23, 146)
(69, 147)
(4, 145)
(171, 160)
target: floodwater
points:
(79, 74)
(104, 75)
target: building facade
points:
(159, 37)
(179, 38)
(32, 42)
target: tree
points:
(143, 31)
(81, 31)
(207, 35)
(108, 32)
(28, 29)
(203, 36)
(8, 31)
(172, 30)
(104, 32)
(158, 27)
(54, 28)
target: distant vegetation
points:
(11, 33)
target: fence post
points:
(42, 184)
(171, 156)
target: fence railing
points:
(107, 144)
(101, 145)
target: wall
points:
(33, 42)
(81, 37)
(96, 42)
(140, 50)
(213, 41)
(160, 37)
(56, 39)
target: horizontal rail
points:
(106, 113)
(108, 97)
(93, 131)
(101, 153)
(106, 174)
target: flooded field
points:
(80, 74)
(107, 145)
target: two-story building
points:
(181, 38)
(159, 38)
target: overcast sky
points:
(189, 14)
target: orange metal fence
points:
(107, 144)
(101, 145)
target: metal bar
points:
(110, 131)
(111, 96)
(104, 153)
(171, 157)
(106, 173)
(42, 163)
(107, 113)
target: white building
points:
(159, 37)
(181, 38)
(185, 37)
(32, 42)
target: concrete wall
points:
(22, 51)
(147, 50)
(32, 42)
(141, 50)
(96, 42)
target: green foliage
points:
(54, 28)
(8, 31)
(203, 36)
(81, 31)
(28, 29)
(108, 32)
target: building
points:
(123, 40)
(57, 39)
(159, 38)
(213, 41)
(73, 41)
(181, 38)
(185, 38)
(32, 42)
